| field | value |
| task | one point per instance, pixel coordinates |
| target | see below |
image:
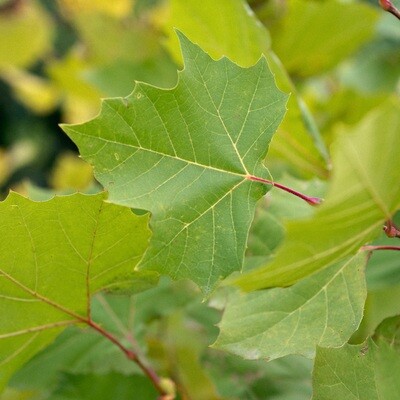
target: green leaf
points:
(388, 333)
(186, 155)
(241, 37)
(367, 371)
(380, 304)
(364, 193)
(345, 373)
(323, 309)
(314, 36)
(53, 256)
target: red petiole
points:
(374, 248)
(314, 201)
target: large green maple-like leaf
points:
(368, 371)
(364, 192)
(323, 309)
(186, 154)
(53, 256)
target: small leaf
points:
(185, 154)
(53, 256)
(368, 371)
(323, 309)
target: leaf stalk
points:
(374, 248)
(313, 201)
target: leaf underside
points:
(185, 154)
(323, 309)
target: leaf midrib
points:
(242, 175)
(42, 298)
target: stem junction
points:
(313, 201)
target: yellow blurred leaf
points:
(107, 39)
(34, 92)
(81, 100)
(71, 172)
(116, 8)
(5, 169)
(26, 34)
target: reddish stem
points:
(373, 248)
(314, 201)
(388, 6)
(131, 355)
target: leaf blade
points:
(54, 256)
(190, 165)
(326, 308)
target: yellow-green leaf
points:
(53, 256)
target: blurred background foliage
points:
(58, 58)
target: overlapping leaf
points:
(53, 256)
(369, 371)
(364, 192)
(325, 309)
(186, 155)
